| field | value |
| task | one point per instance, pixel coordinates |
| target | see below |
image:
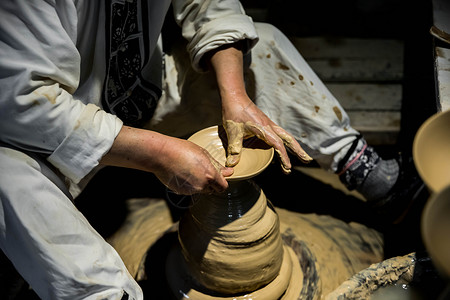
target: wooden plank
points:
(326, 48)
(365, 76)
(387, 121)
(354, 96)
(353, 60)
(377, 127)
(357, 70)
(380, 138)
(441, 20)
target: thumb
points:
(235, 134)
(219, 184)
(224, 171)
(227, 172)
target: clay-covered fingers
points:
(271, 138)
(291, 143)
(235, 134)
(271, 134)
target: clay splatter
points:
(300, 77)
(316, 108)
(338, 112)
(77, 125)
(282, 67)
(47, 92)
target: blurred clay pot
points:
(435, 228)
(431, 151)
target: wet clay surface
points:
(225, 240)
(329, 250)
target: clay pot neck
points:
(224, 208)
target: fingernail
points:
(307, 157)
(227, 171)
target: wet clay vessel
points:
(230, 244)
(237, 245)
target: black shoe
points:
(407, 195)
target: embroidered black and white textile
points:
(126, 93)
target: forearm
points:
(227, 64)
(137, 149)
(181, 165)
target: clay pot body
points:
(234, 246)
(431, 150)
(231, 242)
(435, 226)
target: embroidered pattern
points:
(126, 94)
(363, 160)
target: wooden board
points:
(379, 127)
(365, 75)
(345, 48)
(367, 96)
(353, 60)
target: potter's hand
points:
(181, 165)
(241, 117)
(189, 169)
(244, 119)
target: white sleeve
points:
(209, 24)
(39, 72)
